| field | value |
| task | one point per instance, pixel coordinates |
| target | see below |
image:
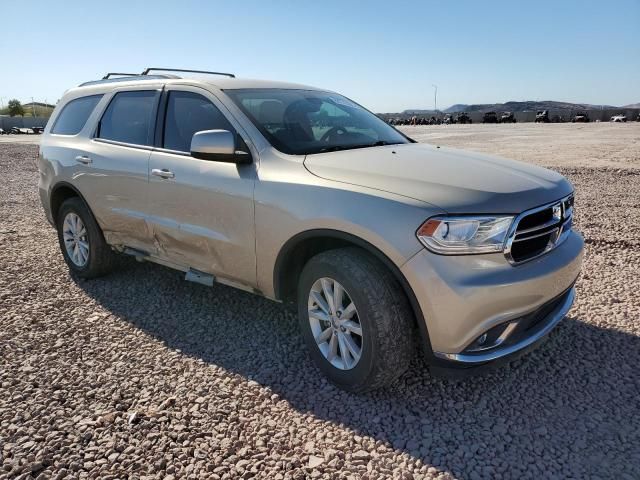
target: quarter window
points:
(129, 118)
(74, 115)
(188, 113)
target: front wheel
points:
(355, 319)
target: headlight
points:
(464, 235)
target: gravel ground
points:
(141, 374)
(32, 139)
(594, 144)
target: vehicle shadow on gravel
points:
(558, 407)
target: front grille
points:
(539, 230)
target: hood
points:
(454, 180)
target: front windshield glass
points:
(302, 122)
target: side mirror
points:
(217, 145)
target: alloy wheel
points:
(76, 239)
(335, 323)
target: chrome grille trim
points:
(557, 235)
(550, 223)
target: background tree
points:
(15, 108)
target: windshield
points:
(302, 122)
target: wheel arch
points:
(295, 253)
(60, 192)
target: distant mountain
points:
(458, 107)
(417, 111)
(529, 105)
(559, 108)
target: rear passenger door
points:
(201, 212)
(116, 179)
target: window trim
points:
(86, 121)
(161, 113)
(162, 119)
(152, 122)
(123, 144)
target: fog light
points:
(493, 337)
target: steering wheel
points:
(333, 131)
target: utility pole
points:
(1, 103)
(33, 107)
(435, 97)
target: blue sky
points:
(383, 54)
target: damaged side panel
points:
(203, 217)
(115, 185)
(126, 227)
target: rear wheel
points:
(83, 246)
(355, 319)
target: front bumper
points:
(559, 310)
(462, 297)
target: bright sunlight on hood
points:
(454, 180)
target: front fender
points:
(288, 211)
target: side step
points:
(139, 255)
(197, 276)
(191, 274)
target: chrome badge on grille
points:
(539, 230)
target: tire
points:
(99, 258)
(387, 333)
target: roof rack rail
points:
(113, 74)
(128, 78)
(147, 70)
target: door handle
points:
(83, 159)
(164, 173)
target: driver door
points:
(201, 212)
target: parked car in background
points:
(507, 117)
(2, 131)
(38, 129)
(542, 116)
(463, 118)
(303, 196)
(448, 119)
(21, 131)
(619, 118)
(580, 117)
(490, 117)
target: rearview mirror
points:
(217, 145)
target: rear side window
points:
(188, 113)
(74, 115)
(129, 118)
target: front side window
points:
(188, 113)
(304, 122)
(74, 115)
(129, 118)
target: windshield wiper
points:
(337, 148)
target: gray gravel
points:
(143, 375)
